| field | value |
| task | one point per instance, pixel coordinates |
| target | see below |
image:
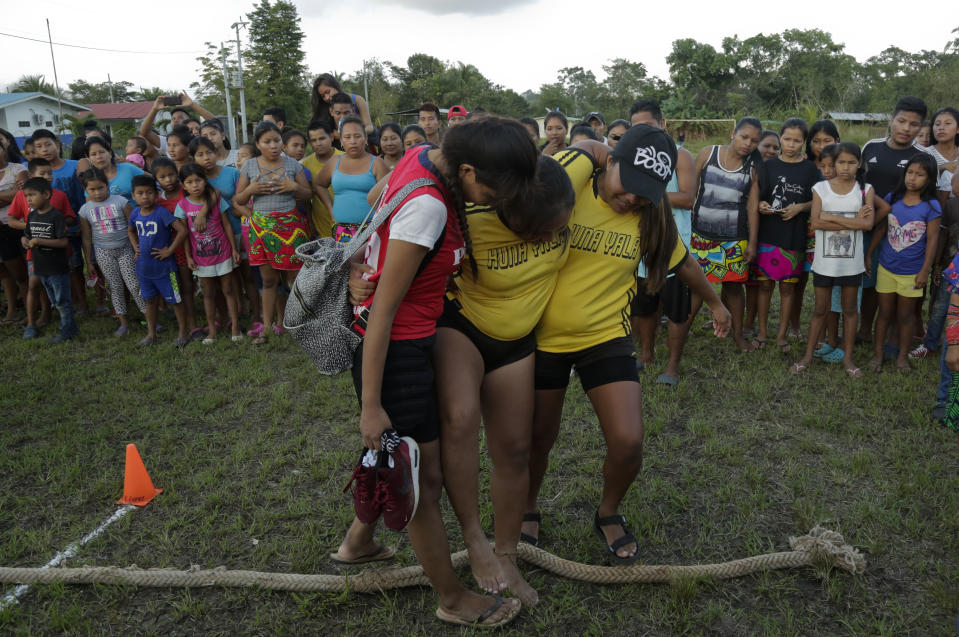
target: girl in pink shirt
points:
(211, 251)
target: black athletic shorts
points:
(608, 362)
(675, 296)
(10, 246)
(823, 281)
(495, 353)
(407, 396)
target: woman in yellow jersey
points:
(621, 217)
(484, 365)
(484, 362)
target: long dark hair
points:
(99, 141)
(755, 158)
(551, 195)
(12, 150)
(928, 192)
(210, 195)
(657, 239)
(835, 150)
(504, 158)
(946, 110)
(321, 109)
(821, 126)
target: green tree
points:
(84, 92)
(417, 80)
(277, 72)
(504, 101)
(705, 74)
(581, 86)
(626, 82)
(150, 94)
(382, 94)
(32, 84)
(75, 124)
(208, 87)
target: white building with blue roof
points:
(23, 113)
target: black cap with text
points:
(647, 159)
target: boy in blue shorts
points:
(153, 241)
(46, 235)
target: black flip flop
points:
(529, 539)
(628, 538)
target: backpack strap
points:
(382, 214)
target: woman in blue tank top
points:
(352, 176)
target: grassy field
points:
(252, 449)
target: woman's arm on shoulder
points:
(597, 150)
(364, 110)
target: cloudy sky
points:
(517, 43)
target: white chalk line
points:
(67, 553)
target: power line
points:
(94, 48)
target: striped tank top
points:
(719, 213)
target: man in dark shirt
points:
(884, 160)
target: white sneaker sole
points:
(414, 471)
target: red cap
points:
(456, 111)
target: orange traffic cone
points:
(137, 485)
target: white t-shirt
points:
(839, 252)
(945, 177)
(420, 220)
(8, 181)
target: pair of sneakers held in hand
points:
(386, 482)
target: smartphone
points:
(172, 100)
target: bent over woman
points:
(620, 218)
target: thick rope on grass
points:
(820, 546)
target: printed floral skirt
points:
(721, 261)
(274, 237)
(778, 264)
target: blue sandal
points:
(834, 356)
(823, 350)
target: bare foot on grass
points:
(486, 568)
(515, 581)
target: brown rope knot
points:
(832, 546)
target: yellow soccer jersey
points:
(595, 287)
(320, 217)
(515, 278)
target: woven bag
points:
(318, 311)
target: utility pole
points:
(239, 62)
(231, 131)
(56, 82)
(110, 82)
(366, 86)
